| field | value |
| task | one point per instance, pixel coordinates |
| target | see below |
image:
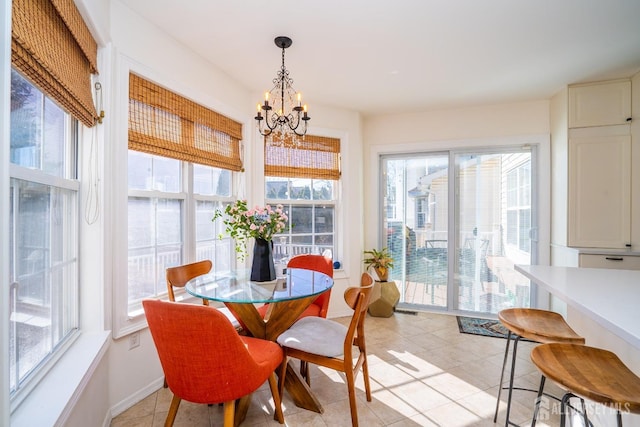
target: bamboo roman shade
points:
(53, 47)
(315, 157)
(164, 123)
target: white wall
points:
(559, 159)
(144, 49)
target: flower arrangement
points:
(243, 223)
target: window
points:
(303, 177)
(180, 162)
(519, 207)
(310, 206)
(171, 204)
(43, 231)
(422, 212)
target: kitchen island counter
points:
(609, 297)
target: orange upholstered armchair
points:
(320, 305)
(216, 367)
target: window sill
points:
(55, 396)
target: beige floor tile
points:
(423, 372)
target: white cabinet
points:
(599, 187)
(595, 173)
(619, 262)
(600, 104)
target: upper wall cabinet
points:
(600, 104)
(599, 205)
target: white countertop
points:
(610, 297)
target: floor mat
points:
(484, 327)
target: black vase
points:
(262, 268)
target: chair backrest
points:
(180, 275)
(358, 297)
(312, 262)
(316, 263)
(203, 357)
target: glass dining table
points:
(287, 297)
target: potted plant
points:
(380, 261)
(385, 294)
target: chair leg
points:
(277, 398)
(511, 378)
(352, 396)
(229, 413)
(584, 413)
(365, 377)
(281, 377)
(304, 371)
(504, 363)
(538, 400)
(173, 410)
(563, 409)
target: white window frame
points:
(68, 182)
(188, 241)
(122, 322)
(333, 202)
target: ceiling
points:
(397, 56)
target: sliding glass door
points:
(456, 224)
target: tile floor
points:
(423, 373)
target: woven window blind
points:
(316, 157)
(53, 47)
(164, 123)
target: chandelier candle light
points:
(282, 117)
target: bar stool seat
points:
(541, 326)
(590, 373)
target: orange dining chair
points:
(323, 264)
(177, 277)
(320, 305)
(330, 344)
(216, 367)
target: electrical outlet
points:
(134, 340)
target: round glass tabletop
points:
(237, 288)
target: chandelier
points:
(282, 117)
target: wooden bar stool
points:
(589, 373)
(537, 325)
